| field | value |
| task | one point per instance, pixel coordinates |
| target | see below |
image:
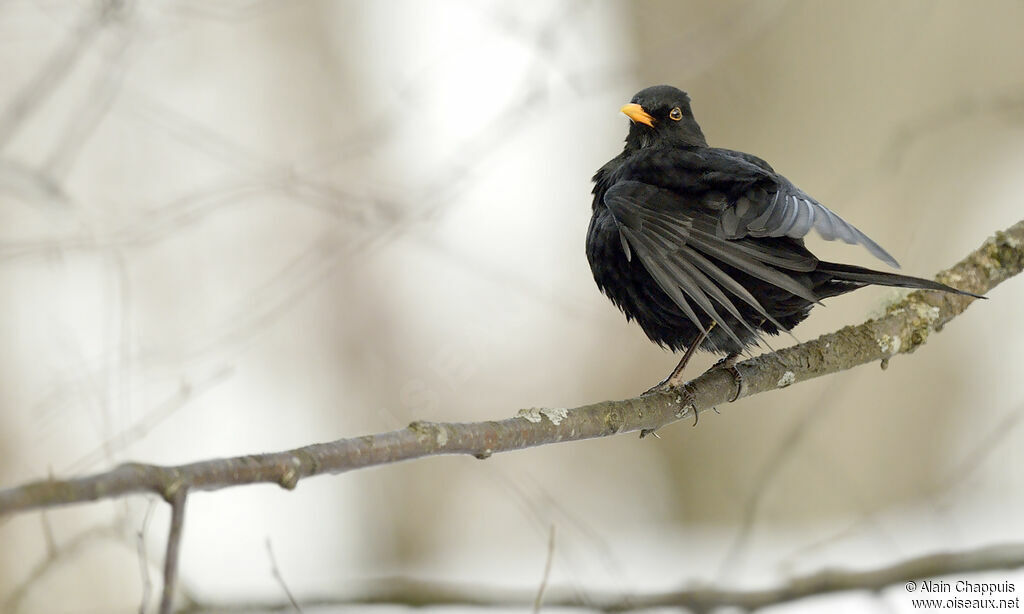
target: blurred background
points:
(245, 226)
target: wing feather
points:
(773, 207)
(759, 201)
(679, 249)
(712, 290)
(791, 213)
(727, 252)
(730, 284)
(672, 287)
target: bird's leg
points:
(675, 377)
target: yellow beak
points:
(636, 113)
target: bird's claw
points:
(741, 384)
(729, 364)
(689, 400)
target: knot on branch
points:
(289, 478)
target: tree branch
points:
(177, 501)
(904, 328)
(408, 591)
(1008, 556)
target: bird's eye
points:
(675, 114)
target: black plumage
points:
(703, 246)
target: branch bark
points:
(905, 327)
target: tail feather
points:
(849, 272)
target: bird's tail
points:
(861, 275)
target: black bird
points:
(703, 246)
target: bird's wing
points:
(774, 207)
(677, 244)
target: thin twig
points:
(280, 579)
(177, 500)
(408, 591)
(769, 470)
(54, 71)
(147, 583)
(903, 329)
(51, 541)
(539, 599)
(66, 550)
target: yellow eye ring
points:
(675, 114)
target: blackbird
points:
(703, 246)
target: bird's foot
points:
(661, 386)
(674, 380)
(686, 400)
(729, 364)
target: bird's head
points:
(661, 115)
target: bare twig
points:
(770, 469)
(65, 550)
(56, 68)
(539, 599)
(1003, 556)
(187, 392)
(280, 579)
(400, 590)
(903, 329)
(941, 493)
(147, 584)
(51, 542)
(176, 498)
